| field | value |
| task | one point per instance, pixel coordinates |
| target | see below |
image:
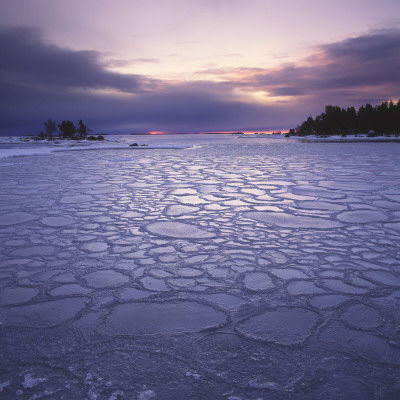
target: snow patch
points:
(30, 381)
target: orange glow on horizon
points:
(260, 132)
(263, 132)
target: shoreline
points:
(18, 148)
(347, 139)
(350, 140)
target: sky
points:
(130, 66)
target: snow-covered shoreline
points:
(29, 146)
(348, 139)
(17, 146)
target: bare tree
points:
(50, 127)
(82, 130)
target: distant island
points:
(381, 120)
(66, 130)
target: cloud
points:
(179, 108)
(39, 80)
(133, 61)
(366, 63)
(27, 60)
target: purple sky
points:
(191, 66)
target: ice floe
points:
(328, 300)
(361, 316)
(177, 210)
(105, 278)
(258, 281)
(287, 220)
(49, 313)
(16, 295)
(178, 230)
(16, 218)
(75, 199)
(362, 216)
(284, 326)
(153, 318)
(56, 222)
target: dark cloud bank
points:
(39, 80)
(369, 63)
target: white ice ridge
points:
(18, 149)
(18, 152)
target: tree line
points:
(66, 130)
(368, 119)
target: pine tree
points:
(82, 130)
(67, 129)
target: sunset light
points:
(184, 66)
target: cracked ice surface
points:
(228, 269)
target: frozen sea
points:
(200, 267)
